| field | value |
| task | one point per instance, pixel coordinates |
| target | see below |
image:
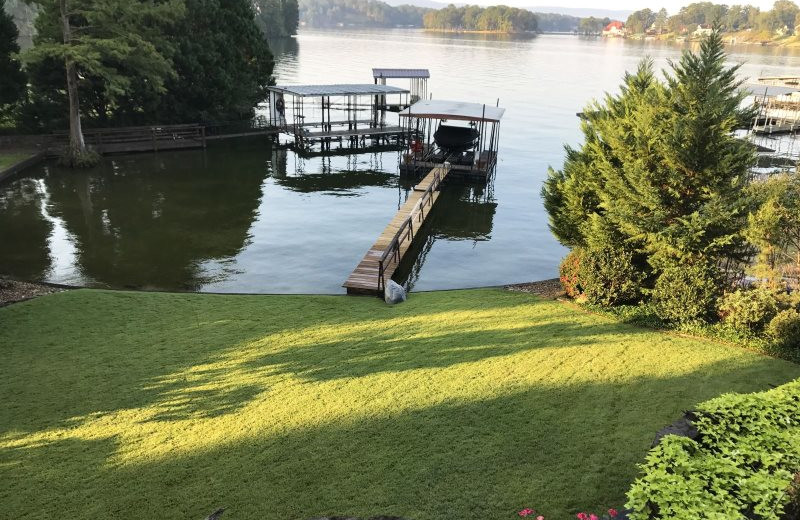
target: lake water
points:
(241, 217)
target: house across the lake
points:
(615, 29)
(702, 31)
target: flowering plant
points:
(612, 513)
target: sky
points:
(672, 6)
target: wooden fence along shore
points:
(160, 137)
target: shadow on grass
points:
(80, 353)
(360, 355)
(559, 449)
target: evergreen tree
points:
(291, 16)
(661, 171)
(774, 228)
(223, 75)
(108, 42)
(277, 18)
(12, 86)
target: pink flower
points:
(593, 517)
(612, 513)
(526, 512)
(582, 516)
(540, 517)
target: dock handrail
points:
(406, 230)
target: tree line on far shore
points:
(360, 13)
(379, 14)
(499, 18)
(781, 19)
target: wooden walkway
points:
(380, 262)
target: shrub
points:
(740, 466)
(749, 310)
(569, 273)
(687, 293)
(608, 277)
(784, 329)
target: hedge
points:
(740, 466)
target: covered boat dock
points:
(353, 115)
(465, 135)
(418, 79)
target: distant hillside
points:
(432, 4)
(358, 13)
(376, 13)
(583, 12)
(555, 22)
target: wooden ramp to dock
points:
(380, 262)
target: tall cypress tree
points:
(108, 42)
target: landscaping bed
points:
(12, 291)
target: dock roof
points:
(442, 109)
(401, 73)
(354, 89)
(768, 90)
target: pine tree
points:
(661, 170)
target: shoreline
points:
(463, 31)
(16, 291)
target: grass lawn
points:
(10, 158)
(464, 405)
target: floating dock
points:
(464, 135)
(354, 115)
(381, 261)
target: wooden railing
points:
(244, 126)
(138, 137)
(392, 254)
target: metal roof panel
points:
(401, 73)
(354, 89)
(443, 109)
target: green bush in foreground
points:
(608, 277)
(569, 271)
(784, 329)
(749, 310)
(686, 293)
(741, 466)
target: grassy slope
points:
(469, 404)
(10, 158)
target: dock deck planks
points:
(364, 278)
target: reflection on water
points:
(24, 230)
(464, 211)
(244, 217)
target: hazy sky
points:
(672, 5)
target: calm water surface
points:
(241, 217)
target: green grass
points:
(9, 158)
(465, 404)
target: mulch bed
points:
(550, 289)
(12, 291)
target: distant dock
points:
(381, 260)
